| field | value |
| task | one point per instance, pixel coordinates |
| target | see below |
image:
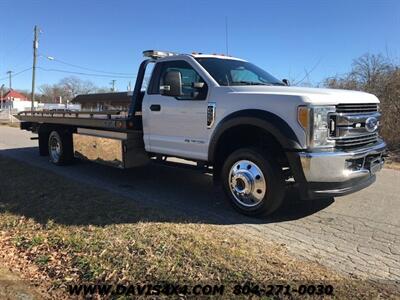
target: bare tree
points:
(380, 76)
(68, 88)
(369, 69)
(390, 105)
(51, 93)
(74, 86)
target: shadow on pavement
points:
(181, 195)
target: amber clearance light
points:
(303, 116)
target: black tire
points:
(267, 183)
(60, 148)
(43, 144)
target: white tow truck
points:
(253, 132)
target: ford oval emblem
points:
(371, 124)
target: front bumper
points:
(337, 173)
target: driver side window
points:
(193, 86)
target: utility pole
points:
(113, 85)
(129, 86)
(1, 95)
(9, 79)
(35, 47)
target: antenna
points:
(226, 35)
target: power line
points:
(85, 74)
(15, 74)
(18, 45)
(23, 61)
(6, 52)
(307, 73)
(85, 68)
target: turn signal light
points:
(303, 116)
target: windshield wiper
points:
(250, 83)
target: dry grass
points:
(55, 232)
(393, 165)
(393, 160)
(13, 124)
(11, 285)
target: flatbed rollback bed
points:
(110, 137)
(112, 120)
(107, 120)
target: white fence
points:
(19, 105)
(50, 106)
(6, 116)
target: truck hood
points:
(309, 95)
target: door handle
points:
(155, 107)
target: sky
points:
(289, 39)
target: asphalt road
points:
(356, 234)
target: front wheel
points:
(253, 181)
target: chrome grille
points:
(357, 108)
(348, 125)
(350, 142)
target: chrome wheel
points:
(55, 149)
(247, 183)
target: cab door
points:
(177, 125)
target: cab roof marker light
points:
(156, 54)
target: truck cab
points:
(240, 119)
(256, 134)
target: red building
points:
(15, 101)
(12, 95)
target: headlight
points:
(315, 122)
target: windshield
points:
(230, 72)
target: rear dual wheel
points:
(253, 181)
(60, 147)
